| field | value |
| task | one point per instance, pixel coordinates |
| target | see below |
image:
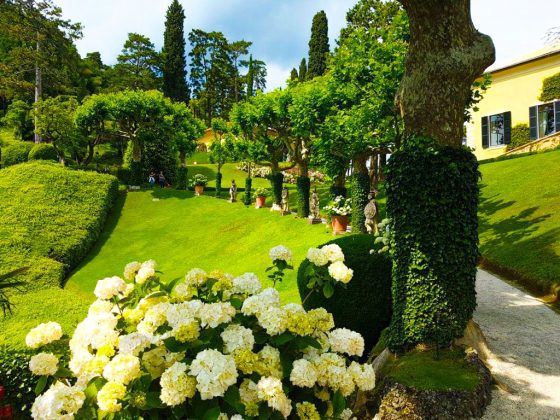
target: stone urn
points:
(261, 200)
(199, 190)
(339, 224)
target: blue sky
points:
(280, 29)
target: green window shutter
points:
(557, 117)
(533, 123)
(507, 127)
(485, 134)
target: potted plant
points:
(261, 194)
(339, 210)
(199, 181)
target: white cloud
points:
(277, 76)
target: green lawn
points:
(181, 232)
(520, 217)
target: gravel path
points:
(524, 336)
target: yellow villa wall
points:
(515, 90)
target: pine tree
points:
(318, 46)
(294, 75)
(174, 61)
(303, 70)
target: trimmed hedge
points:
(18, 382)
(43, 151)
(247, 195)
(303, 189)
(219, 177)
(520, 135)
(432, 199)
(50, 216)
(365, 305)
(182, 177)
(17, 152)
(276, 183)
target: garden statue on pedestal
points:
(371, 212)
(233, 192)
(285, 202)
(314, 205)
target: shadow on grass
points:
(110, 225)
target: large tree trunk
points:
(38, 85)
(446, 54)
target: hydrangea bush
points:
(209, 346)
(340, 206)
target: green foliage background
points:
(550, 88)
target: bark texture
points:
(446, 55)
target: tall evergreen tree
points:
(174, 61)
(318, 46)
(303, 70)
(294, 75)
(250, 78)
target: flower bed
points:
(207, 346)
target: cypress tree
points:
(174, 62)
(318, 46)
(250, 77)
(294, 75)
(303, 70)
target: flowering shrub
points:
(262, 192)
(384, 235)
(207, 346)
(327, 268)
(340, 206)
(199, 180)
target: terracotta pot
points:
(199, 189)
(261, 200)
(339, 224)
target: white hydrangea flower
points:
(343, 340)
(43, 334)
(332, 370)
(270, 390)
(196, 277)
(333, 252)
(58, 402)
(249, 396)
(273, 320)
(145, 273)
(247, 283)
(317, 257)
(43, 364)
(134, 343)
(214, 372)
(96, 331)
(321, 319)
(254, 305)
(130, 270)
(109, 287)
(109, 395)
(100, 306)
(176, 385)
(280, 253)
(347, 415)
(340, 272)
(363, 375)
(155, 317)
(237, 337)
(303, 374)
(271, 362)
(214, 314)
(123, 369)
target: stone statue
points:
(285, 202)
(371, 212)
(314, 206)
(233, 192)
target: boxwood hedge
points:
(15, 153)
(43, 151)
(50, 216)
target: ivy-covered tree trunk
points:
(339, 186)
(219, 183)
(304, 189)
(276, 182)
(432, 195)
(360, 192)
(248, 187)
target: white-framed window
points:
(544, 119)
(496, 130)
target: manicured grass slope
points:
(520, 217)
(181, 232)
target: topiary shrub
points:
(432, 200)
(303, 189)
(43, 151)
(247, 196)
(365, 305)
(276, 182)
(18, 381)
(520, 135)
(360, 192)
(219, 177)
(15, 153)
(550, 88)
